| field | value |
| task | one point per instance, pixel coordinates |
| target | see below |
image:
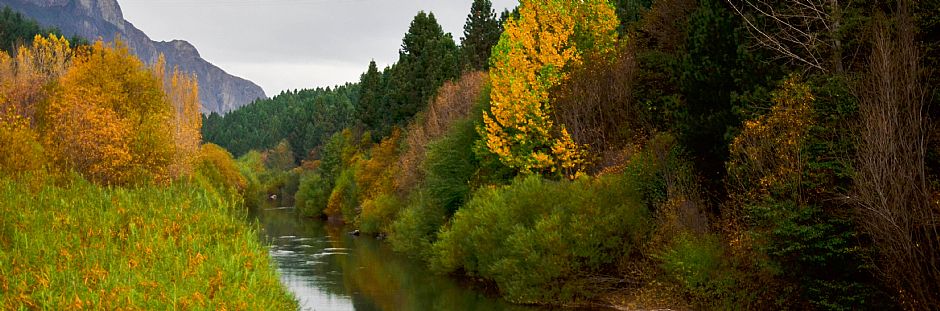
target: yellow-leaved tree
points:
(182, 91)
(531, 57)
(109, 118)
(23, 81)
(767, 157)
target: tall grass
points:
(77, 245)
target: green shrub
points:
(312, 195)
(449, 166)
(695, 263)
(378, 213)
(825, 251)
(416, 227)
(538, 239)
(344, 199)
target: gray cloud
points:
(292, 44)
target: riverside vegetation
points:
(109, 199)
(698, 154)
(686, 154)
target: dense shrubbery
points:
(539, 239)
(450, 166)
(312, 194)
(218, 168)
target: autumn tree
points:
(531, 57)
(23, 78)
(182, 91)
(23, 81)
(480, 34)
(109, 118)
(281, 157)
(767, 157)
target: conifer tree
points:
(480, 34)
(371, 110)
(427, 59)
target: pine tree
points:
(371, 110)
(428, 58)
(480, 34)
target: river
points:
(328, 269)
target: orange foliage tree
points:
(182, 91)
(108, 118)
(376, 177)
(23, 78)
(23, 81)
(531, 57)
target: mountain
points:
(219, 91)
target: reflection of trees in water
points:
(371, 274)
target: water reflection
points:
(328, 269)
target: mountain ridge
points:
(219, 91)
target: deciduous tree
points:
(109, 118)
(531, 57)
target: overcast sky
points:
(294, 44)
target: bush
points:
(312, 195)
(538, 239)
(344, 197)
(696, 264)
(823, 248)
(416, 228)
(450, 166)
(217, 166)
(21, 150)
(377, 213)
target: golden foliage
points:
(218, 166)
(182, 91)
(376, 174)
(108, 119)
(767, 157)
(531, 58)
(22, 78)
(21, 151)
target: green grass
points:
(78, 245)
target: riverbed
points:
(329, 269)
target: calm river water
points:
(328, 269)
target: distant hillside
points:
(219, 91)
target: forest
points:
(680, 153)
(630, 154)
